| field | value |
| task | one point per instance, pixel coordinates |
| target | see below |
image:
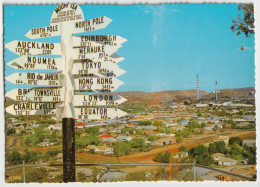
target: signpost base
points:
(68, 150)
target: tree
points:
(244, 23)
(235, 140)
(122, 148)
(157, 123)
(152, 137)
(183, 149)
(14, 157)
(179, 139)
(92, 130)
(145, 122)
(138, 143)
(164, 158)
(131, 131)
(31, 156)
(10, 131)
(201, 155)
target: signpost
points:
(39, 94)
(87, 64)
(98, 100)
(33, 48)
(98, 40)
(96, 69)
(100, 84)
(93, 52)
(99, 113)
(25, 108)
(48, 79)
(32, 62)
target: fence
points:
(121, 172)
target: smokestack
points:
(216, 92)
(198, 90)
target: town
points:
(171, 132)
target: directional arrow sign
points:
(99, 113)
(50, 79)
(92, 24)
(33, 48)
(32, 108)
(96, 68)
(114, 58)
(43, 32)
(98, 100)
(31, 62)
(46, 94)
(18, 94)
(95, 40)
(100, 84)
(92, 52)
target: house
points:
(128, 138)
(102, 130)
(84, 134)
(184, 122)
(79, 125)
(164, 141)
(90, 148)
(249, 142)
(104, 149)
(199, 105)
(226, 161)
(59, 157)
(217, 156)
(106, 136)
(222, 138)
(209, 128)
(45, 143)
(242, 124)
(180, 155)
(55, 127)
(109, 141)
(148, 127)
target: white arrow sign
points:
(50, 79)
(41, 94)
(92, 24)
(91, 52)
(18, 94)
(100, 84)
(97, 69)
(33, 48)
(31, 62)
(32, 108)
(46, 94)
(98, 100)
(99, 113)
(97, 40)
(43, 32)
(114, 58)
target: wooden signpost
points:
(87, 64)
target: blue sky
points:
(167, 44)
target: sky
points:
(167, 44)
